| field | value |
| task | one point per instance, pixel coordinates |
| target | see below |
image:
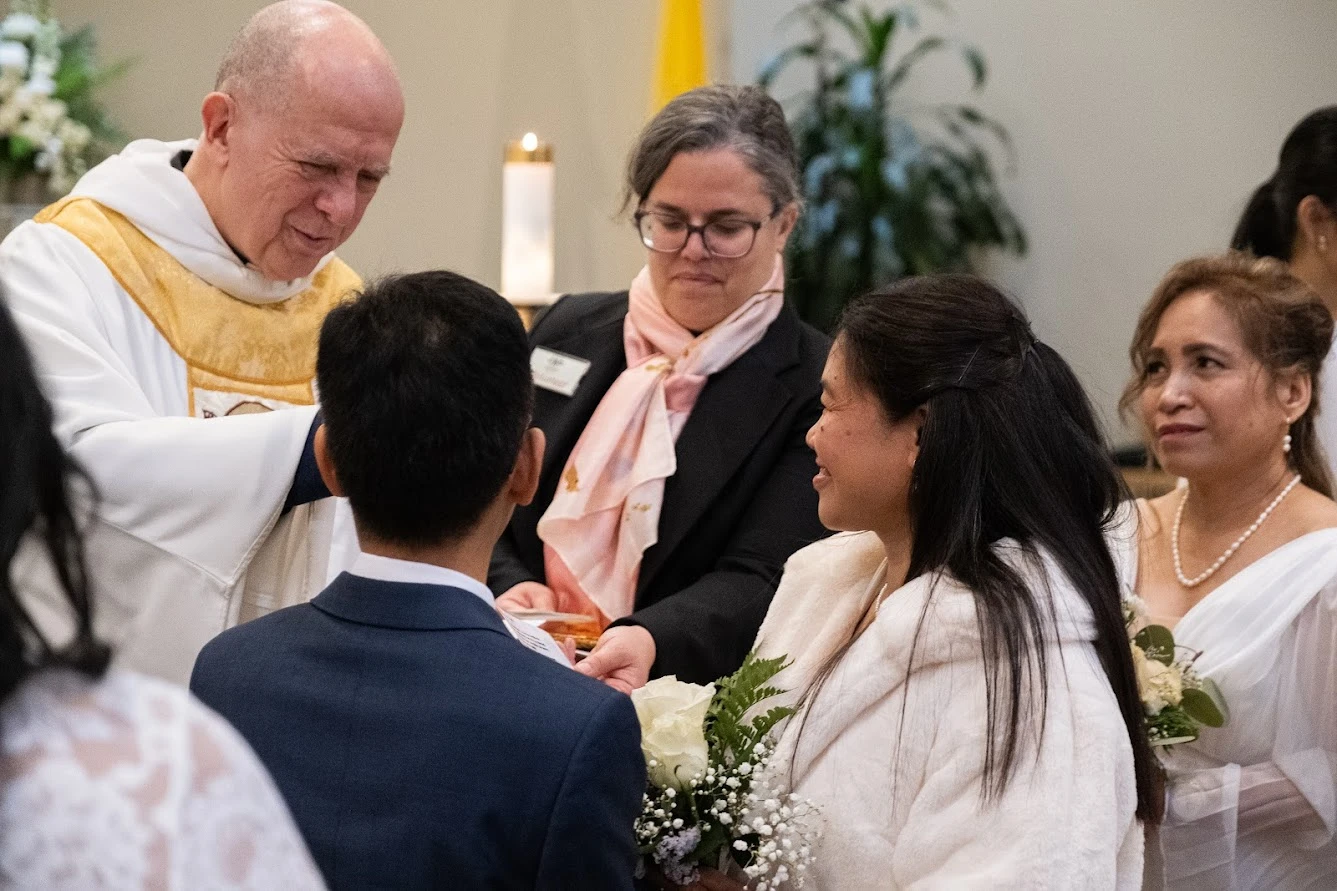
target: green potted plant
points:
(892, 187)
(52, 128)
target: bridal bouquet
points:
(711, 798)
(1176, 699)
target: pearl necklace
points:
(1230, 551)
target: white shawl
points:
(897, 765)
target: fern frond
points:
(727, 725)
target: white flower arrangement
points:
(712, 799)
(1177, 700)
(49, 124)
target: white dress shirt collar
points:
(389, 569)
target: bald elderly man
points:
(173, 303)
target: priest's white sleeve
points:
(187, 506)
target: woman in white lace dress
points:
(1242, 564)
(108, 780)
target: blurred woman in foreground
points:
(107, 779)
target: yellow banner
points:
(681, 64)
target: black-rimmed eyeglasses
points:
(667, 233)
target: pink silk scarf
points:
(605, 512)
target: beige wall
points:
(475, 75)
(1141, 126)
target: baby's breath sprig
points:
(734, 810)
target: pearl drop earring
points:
(1286, 443)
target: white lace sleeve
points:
(130, 783)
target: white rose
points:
(10, 115)
(10, 81)
(34, 131)
(23, 99)
(673, 733)
(41, 85)
(44, 66)
(74, 134)
(13, 55)
(1166, 681)
(48, 113)
(19, 26)
(1159, 684)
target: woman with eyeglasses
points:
(677, 481)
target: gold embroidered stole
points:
(240, 357)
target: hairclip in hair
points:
(960, 379)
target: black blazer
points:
(739, 504)
(420, 746)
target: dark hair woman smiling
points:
(969, 714)
(676, 480)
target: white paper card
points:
(536, 639)
(556, 371)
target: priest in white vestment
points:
(173, 303)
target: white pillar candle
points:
(527, 194)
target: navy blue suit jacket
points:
(420, 746)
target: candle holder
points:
(528, 179)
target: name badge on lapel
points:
(558, 372)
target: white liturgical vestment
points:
(182, 381)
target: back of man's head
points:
(426, 390)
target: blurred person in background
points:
(1293, 217)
